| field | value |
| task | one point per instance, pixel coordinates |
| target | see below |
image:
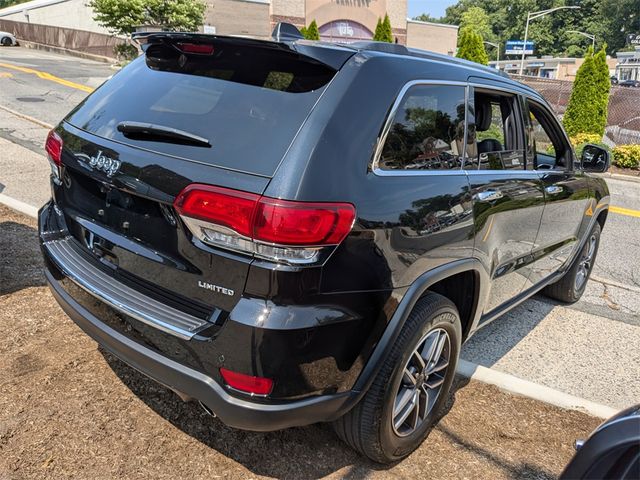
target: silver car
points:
(7, 39)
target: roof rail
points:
(286, 32)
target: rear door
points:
(220, 112)
(508, 199)
(566, 191)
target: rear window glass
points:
(247, 102)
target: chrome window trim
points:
(375, 164)
(543, 103)
(382, 138)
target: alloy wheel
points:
(586, 263)
(422, 379)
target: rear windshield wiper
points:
(159, 133)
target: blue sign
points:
(515, 47)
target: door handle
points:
(489, 195)
(553, 189)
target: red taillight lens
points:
(222, 206)
(247, 383)
(266, 219)
(53, 147)
(199, 48)
(300, 223)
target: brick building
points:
(338, 20)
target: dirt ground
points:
(67, 409)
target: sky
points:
(435, 8)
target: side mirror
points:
(595, 159)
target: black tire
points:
(368, 427)
(570, 287)
(6, 41)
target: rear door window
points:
(427, 130)
(495, 139)
(247, 101)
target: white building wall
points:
(58, 13)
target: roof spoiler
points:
(286, 32)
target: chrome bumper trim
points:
(66, 253)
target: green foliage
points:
(627, 156)
(608, 20)
(9, 3)
(122, 17)
(383, 31)
(311, 32)
(587, 109)
(125, 52)
(476, 18)
(425, 17)
(377, 35)
(470, 47)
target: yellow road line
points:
(48, 76)
(625, 211)
(6, 75)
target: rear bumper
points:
(233, 411)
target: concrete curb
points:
(27, 117)
(19, 206)
(528, 389)
(503, 381)
(65, 51)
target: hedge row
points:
(627, 156)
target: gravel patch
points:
(70, 410)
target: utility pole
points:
(533, 16)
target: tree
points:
(122, 17)
(477, 19)
(425, 17)
(587, 109)
(311, 32)
(383, 31)
(470, 47)
(386, 30)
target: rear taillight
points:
(53, 147)
(247, 383)
(280, 230)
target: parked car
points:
(294, 232)
(630, 83)
(7, 39)
(614, 80)
(611, 452)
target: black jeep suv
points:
(294, 232)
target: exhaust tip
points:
(207, 409)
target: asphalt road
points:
(590, 349)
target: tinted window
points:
(427, 130)
(547, 145)
(495, 136)
(248, 105)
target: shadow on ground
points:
(20, 258)
(269, 453)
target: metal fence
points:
(623, 121)
(69, 38)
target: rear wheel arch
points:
(438, 280)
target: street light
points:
(497, 45)
(533, 16)
(588, 35)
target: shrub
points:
(383, 31)
(470, 47)
(587, 109)
(627, 156)
(585, 138)
(311, 32)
